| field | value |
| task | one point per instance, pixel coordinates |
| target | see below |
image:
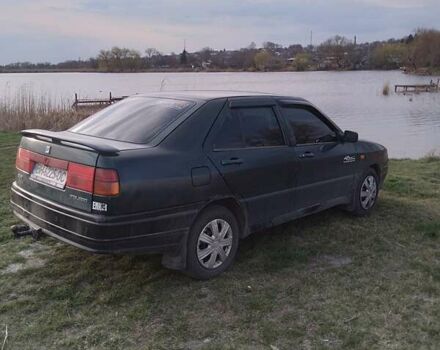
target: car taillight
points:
(80, 177)
(99, 181)
(23, 160)
(106, 182)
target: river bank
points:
(418, 72)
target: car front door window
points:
(307, 127)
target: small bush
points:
(432, 157)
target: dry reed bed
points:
(26, 110)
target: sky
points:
(57, 30)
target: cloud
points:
(140, 26)
(398, 4)
(94, 24)
(60, 19)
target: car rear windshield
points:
(136, 119)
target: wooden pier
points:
(92, 102)
(407, 88)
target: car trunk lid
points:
(61, 166)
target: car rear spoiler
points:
(70, 139)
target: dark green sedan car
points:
(189, 174)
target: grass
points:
(329, 281)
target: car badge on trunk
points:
(47, 150)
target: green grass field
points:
(329, 281)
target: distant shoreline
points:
(180, 70)
(183, 70)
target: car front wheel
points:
(365, 196)
(212, 243)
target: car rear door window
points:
(306, 125)
(260, 127)
(249, 127)
(230, 135)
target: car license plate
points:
(49, 176)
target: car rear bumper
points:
(162, 231)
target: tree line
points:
(416, 52)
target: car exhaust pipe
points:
(24, 230)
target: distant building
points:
(206, 64)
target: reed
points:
(386, 89)
(27, 110)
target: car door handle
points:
(307, 154)
(232, 161)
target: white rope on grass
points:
(6, 338)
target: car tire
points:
(366, 193)
(212, 243)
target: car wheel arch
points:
(234, 206)
(376, 168)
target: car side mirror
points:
(350, 136)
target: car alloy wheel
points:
(214, 243)
(368, 192)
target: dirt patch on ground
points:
(32, 260)
(324, 262)
(196, 344)
(12, 268)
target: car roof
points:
(206, 95)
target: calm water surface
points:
(409, 126)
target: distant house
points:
(206, 64)
(328, 62)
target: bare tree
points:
(119, 59)
(425, 48)
(104, 58)
(271, 46)
(262, 60)
(252, 46)
(206, 53)
(152, 56)
(389, 56)
(150, 52)
(336, 49)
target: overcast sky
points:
(56, 30)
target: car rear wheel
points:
(365, 196)
(212, 243)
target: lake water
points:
(409, 126)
